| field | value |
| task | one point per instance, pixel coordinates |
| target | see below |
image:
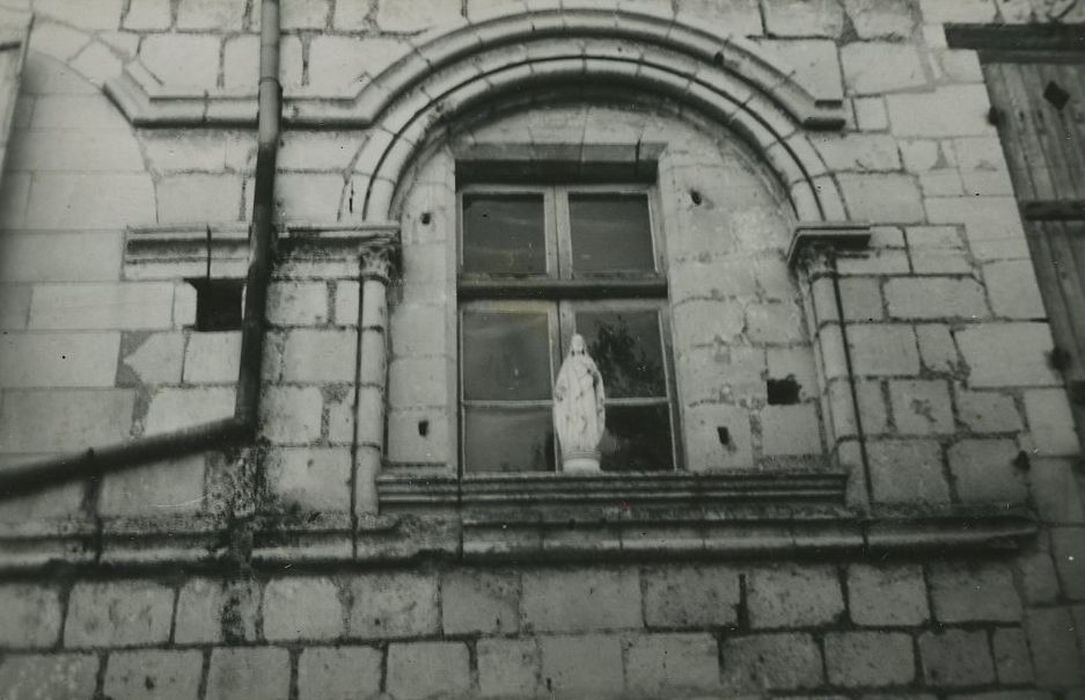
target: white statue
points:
(579, 409)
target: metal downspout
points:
(262, 240)
(242, 427)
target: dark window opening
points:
(783, 392)
(218, 304)
(1054, 94)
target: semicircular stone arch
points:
(723, 224)
(727, 79)
(74, 162)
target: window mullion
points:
(562, 229)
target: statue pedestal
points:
(580, 464)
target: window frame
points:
(562, 292)
(556, 285)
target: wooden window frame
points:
(562, 293)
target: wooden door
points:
(1039, 103)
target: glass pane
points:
(503, 234)
(610, 233)
(508, 440)
(506, 356)
(638, 438)
(626, 347)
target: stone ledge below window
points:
(606, 494)
(331, 541)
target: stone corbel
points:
(827, 235)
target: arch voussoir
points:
(725, 78)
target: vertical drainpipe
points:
(262, 236)
(376, 265)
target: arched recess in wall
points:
(728, 79)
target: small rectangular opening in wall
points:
(218, 303)
(783, 392)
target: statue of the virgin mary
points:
(579, 409)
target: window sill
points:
(607, 493)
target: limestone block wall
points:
(946, 343)
(955, 629)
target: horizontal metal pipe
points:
(93, 462)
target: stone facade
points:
(836, 218)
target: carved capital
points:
(813, 260)
(378, 263)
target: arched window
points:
(663, 243)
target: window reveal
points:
(542, 239)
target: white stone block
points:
(721, 17)
(790, 430)
(873, 68)
(291, 414)
(882, 197)
(58, 359)
(1008, 354)
(77, 419)
(1012, 288)
(89, 200)
(184, 60)
(803, 18)
(298, 303)
(210, 14)
(935, 297)
(313, 479)
(102, 306)
(163, 489)
(1051, 422)
(213, 358)
(416, 15)
(959, 110)
(74, 150)
(218, 198)
(957, 11)
(320, 356)
(172, 409)
(86, 14)
(98, 63)
(347, 300)
(881, 19)
(158, 359)
(147, 15)
(718, 437)
(870, 114)
(883, 349)
(921, 407)
(86, 256)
